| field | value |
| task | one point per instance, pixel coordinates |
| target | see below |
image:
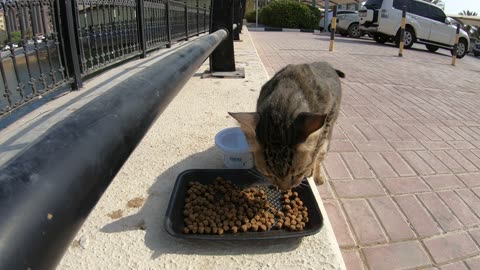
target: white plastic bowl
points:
(234, 146)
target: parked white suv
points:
(426, 24)
(348, 23)
(330, 15)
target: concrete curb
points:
(279, 29)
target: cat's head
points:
(285, 156)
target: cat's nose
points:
(283, 186)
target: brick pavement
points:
(404, 165)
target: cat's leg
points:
(318, 172)
(319, 175)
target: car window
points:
(419, 8)
(374, 4)
(436, 14)
(398, 4)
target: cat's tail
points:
(340, 74)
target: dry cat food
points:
(225, 208)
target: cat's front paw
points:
(319, 176)
(318, 180)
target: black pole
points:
(333, 28)
(222, 59)
(47, 191)
(198, 18)
(70, 47)
(236, 19)
(141, 28)
(243, 7)
(402, 31)
(186, 20)
(169, 25)
(455, 46)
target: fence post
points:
(222, 59)
(243, 7)
(333, 27)
(141, 28)
(455, 46)
(198, 18)
(69, 31)
(402, 31)
(236, 19)
(186, 20)
(169, 25)
(205, 18)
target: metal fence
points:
(39, 52)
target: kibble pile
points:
(223, 207)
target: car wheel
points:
(380, 39)
(408, 39)
(476, 53)
(461, 48)
(431, 48)
(354, 31)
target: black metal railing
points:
(48, 190)
(30, 56)
(37, 50)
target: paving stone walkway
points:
(404, 164)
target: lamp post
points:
(256, 13)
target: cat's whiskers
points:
(302, 185)
(255, 173)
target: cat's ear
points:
(306, 123)
(340, 73)
(248, 120)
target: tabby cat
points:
(289, 134)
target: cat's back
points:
(313, 87)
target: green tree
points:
(28, 33)
(290, 14)
(16, 37)
(3, 37)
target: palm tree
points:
(471, 30)
(468, 13)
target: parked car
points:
(348, 24)
(426, 24)
(476, 49)
(7, 47)
(330, 16)
(474, 46)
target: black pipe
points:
(223, 58)
(47, 191)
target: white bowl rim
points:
(226, 148)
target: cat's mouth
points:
(285, 186)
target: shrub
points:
(250, 16)
(290, 14)
(314, 20)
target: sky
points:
(456, 6)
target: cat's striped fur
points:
(289, 134)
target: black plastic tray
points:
(174, 223)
